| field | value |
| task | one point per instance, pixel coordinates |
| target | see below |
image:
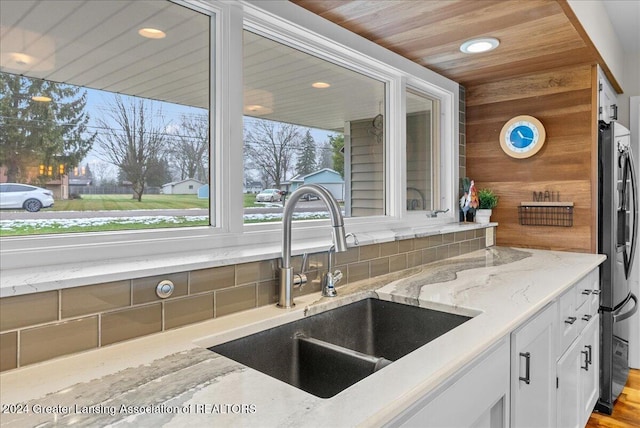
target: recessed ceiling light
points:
(257, 110)
(479, 45)
(41, 98)
(321, 85)
(152, 33)
(20, 58)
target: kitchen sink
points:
(326, 353)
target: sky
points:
(97, 106)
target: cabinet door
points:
(578, 377)
(533, 372)
(569, 390)
(476, 398)
(590, 368)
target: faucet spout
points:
(338, 234)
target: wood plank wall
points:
(564, 101)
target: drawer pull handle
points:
(527, 367)
(589, 355)
(586, 360)
(570, 320)
(587, 292)
(596, 292)
(586, 317)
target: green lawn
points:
(149, 202)
(52, 226)
(126, 202)
(91, 203)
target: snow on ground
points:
(7, 225)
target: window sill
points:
(26, 280)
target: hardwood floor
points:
(626, 412)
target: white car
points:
(269, 195)
(31, 198)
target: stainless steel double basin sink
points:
(326, 353)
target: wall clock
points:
(522, 136)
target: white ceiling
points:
(625, 17)
(279, 78)
(96, 44)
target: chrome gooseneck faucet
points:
(339, 240)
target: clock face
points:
(522, 137)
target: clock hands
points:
(522, 136)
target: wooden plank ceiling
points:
(535, 35)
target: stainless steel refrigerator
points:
(617, 238)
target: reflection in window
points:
(421, 153)
(110, 114)
(310, 121)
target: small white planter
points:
(483, 216)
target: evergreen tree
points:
(34, 133)
(325, 157)
(159, 172)
(337, 144)
(87, 172)
(306, 155)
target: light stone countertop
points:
(173, 372)
(74, 274)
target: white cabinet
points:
(607, 99)
(544, 374)
(568, 387)
(577, 372)
(478, 397)
(579, 362)
(578, 352)
(555, 361)
(590, 379)
(533, 364)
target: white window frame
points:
(285, 22)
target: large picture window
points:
(132, 115)
(422, 149)
(308, 120)
(105, 106)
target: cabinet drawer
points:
(567, 321)
(576, 307)
(586, 289)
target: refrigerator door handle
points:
(634, 228)
(617, 316)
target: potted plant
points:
(487, 201)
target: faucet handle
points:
(337, 276)
(352, 235)
(305, 259)
(434, 214)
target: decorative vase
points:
(483, 216)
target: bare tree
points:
(133, 139)
(189, 153)
(271, 147)
(102, 173)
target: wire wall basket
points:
(546, 214)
